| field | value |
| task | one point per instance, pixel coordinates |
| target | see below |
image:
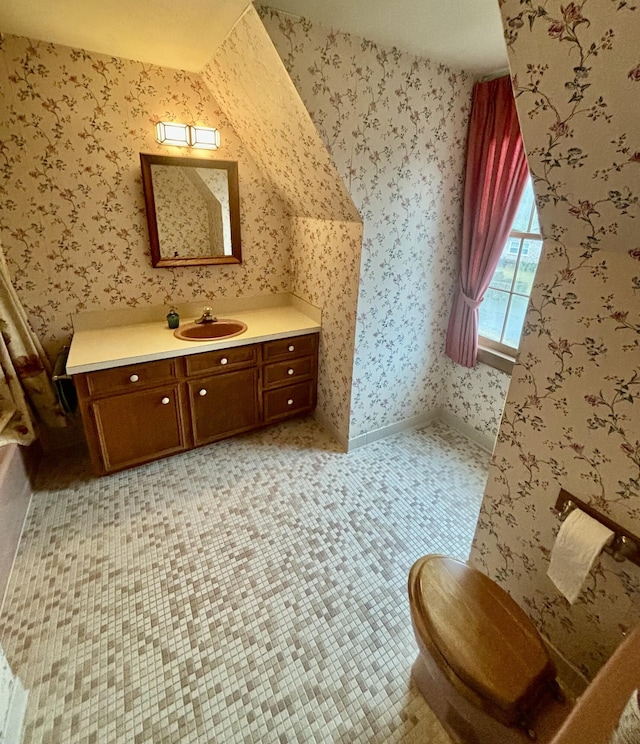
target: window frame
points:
(495, 353)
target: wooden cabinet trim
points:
(102, 422)
(211, 362)
(280, 349)
(288, 371)
(121, 379)
(268, 384)
(246, 415)
(277, 404)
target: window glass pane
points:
(521, 222)
(527, 266)
(503, 276)
(515, 320)
(491, 314)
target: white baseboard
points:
(486, 441)
(386, 431)
(14, 722)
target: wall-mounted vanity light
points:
(204, 137)
(185, 135)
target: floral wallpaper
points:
(325, 262)
(214, 185)
(252, 87)
(189, 221)
(249, 80)
(571, 419)
(476, 396)
(395, 126)
(72, 125)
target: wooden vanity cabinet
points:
(289, 377)
(132, 414)
(141, 412)
(223, 392)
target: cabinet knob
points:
(165, 401)
(224, 360)
(290, 402)
(202, 392)
(289, 371)
(134, 378)
(292, 347)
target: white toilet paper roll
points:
(580, 541)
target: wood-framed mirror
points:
(193, 210)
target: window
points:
(501, 314)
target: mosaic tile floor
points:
(251, 591)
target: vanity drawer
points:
(289, 348)
(131, 377)
(289, 401)
(224, 360)
(291, 370)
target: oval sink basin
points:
(223, 328)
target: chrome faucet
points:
(206, 316)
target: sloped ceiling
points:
(251, 85)
(184, 35)
(460, 33)
(170, 33)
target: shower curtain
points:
(26, 390)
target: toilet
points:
(482, 665)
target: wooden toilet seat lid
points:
(483, 635)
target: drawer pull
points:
(290, 402)
(202, 392)
(292, 347)
(134, 378)
(165, 401)
(224, 360)
(289, 371)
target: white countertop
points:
(95, 348)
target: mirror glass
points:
(193, 210)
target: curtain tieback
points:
(469, 301)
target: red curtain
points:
(495, 179)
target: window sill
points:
(496, 359)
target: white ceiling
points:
(184, 34)
(461, 33)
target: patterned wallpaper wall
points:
(189, 221)
(476, 396)
(252, 86)
(72, 125)
(571, 419)
(325, 268)
(395, 126)
(258, 96)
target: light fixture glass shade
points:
(169, 133)
(205, 138)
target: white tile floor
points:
(250, 591)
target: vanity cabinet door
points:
(137, 427)
(289, 401)
(224, 404)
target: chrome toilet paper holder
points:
(623, 546)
